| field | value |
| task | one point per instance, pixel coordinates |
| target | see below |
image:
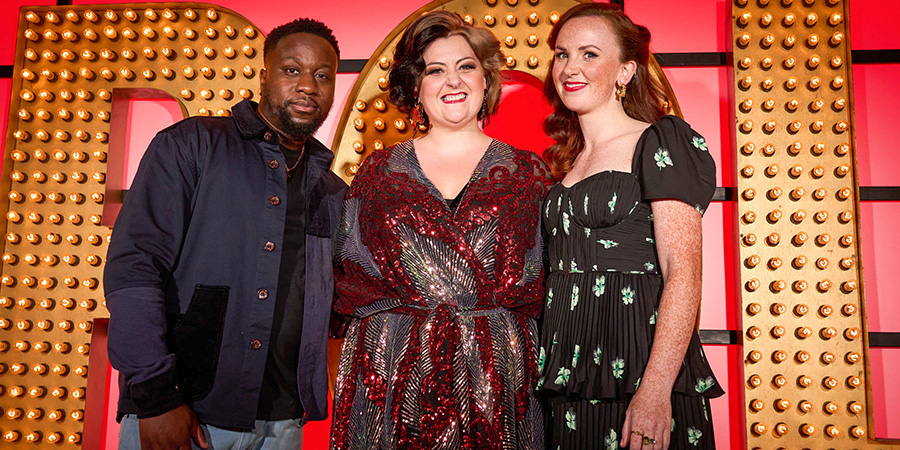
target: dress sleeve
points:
(674, 163)
(354, 267)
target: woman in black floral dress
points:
(621, 363)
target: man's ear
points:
(262, 77)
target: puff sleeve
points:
(674, 163)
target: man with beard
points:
(219, 277)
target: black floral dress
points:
(604, 289)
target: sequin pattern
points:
(440, 352)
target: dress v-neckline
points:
(435, 192)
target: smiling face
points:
(452, 86)
(297, 84)
(587, 66)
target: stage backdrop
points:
(83, 106)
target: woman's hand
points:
(648, 419)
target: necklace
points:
(299, 158)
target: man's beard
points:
(286, 124)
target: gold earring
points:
(621, 90)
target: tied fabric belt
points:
(437, 338)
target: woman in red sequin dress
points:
(621, 362)
(439, 264)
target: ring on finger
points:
(637, 433)
(645, 440)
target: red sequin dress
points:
(440, 351)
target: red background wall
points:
(685, 26)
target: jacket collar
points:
(250, 125)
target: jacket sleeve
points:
(143, 250)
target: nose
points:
(453, 78)
(306, 83)
(569, 67)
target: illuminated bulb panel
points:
(369, 122)
(65, 169)
(801, 291)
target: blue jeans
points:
(265, 435)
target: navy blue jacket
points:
(192, 270)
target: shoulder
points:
(529, 162)
(198, 124)
(674, 129)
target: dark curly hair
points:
(646, 96)
(409, 63)
(309, 26)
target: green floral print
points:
(573, 267)
(612, 203)
(649, 266)
(574, 301)
(570, 420)
(618, 367)
(700, 143)
(599, 285)
(694, 436)
(565, 221)
(597, 353)
(549, 297)
(704, 384)
(562, 377)
(654, 317)
(542, 358)
(612, 440)
(576, 355)
(627, 295)
(662, 158)
(607, 243)
(585, 204)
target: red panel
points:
(718, 308)
(873, 24)
(145, 118)
(727, 410)
(5, 86)
(702, 93)
(9, 22)
(876, 99)
(343, 85)
(885, 363)
(359, 26)
(519, 119)
(880, 262)
(683, 27)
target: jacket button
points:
(274, 200)
(273, 164)
(268, 136)
(255, 344)
(269, 246)
(262, 294)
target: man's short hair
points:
(302, 25)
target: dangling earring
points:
(621, 90)
(484, 112)
(418, 116)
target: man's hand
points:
(172, 430)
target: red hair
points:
(645, 101)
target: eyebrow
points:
(297, 61)
(583, 47)
(457, 61)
